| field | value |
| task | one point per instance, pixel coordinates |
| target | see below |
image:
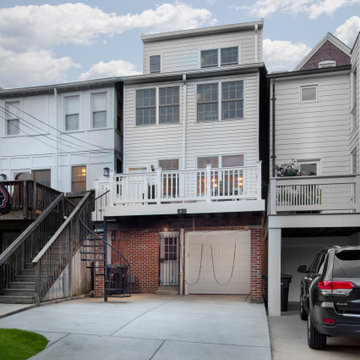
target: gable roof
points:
(328, 37)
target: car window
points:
(347, 264)
(314, 264)
(320, 264)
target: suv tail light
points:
(335, 287)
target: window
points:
(232, 161)
(155, 64)
(354, 161)
(12, 116)
(98, 103)
(232, 100)
(78, 178)
(169, 105)
(327, 63)
(207, 102)
(309, 168)
(209, 58)
(229, 56)
(42, 176)
(203, 161)
(72, 113)
(308, 93)
(146, 107)
(169, 164)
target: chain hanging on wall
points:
(200, 267)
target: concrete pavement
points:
(288, 341)
(150, 327)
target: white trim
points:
(307, 87)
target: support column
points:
(274, 272)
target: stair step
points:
(24, 278)
(91, 253)
(95, 267)
(19, 292)
(21, 285)
(29, 266)
(5, 299)
(92, 246)
(27, 271)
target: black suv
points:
(330, 295)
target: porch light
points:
(106, 172)
(2, 177)
(165, 229)
(240, 181)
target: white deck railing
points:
(161, 187)
(320, 193)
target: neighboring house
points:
(314, 121)
(188, 211)
(61, 135)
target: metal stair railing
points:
(117, 275)
(22, 250)
(59, 250)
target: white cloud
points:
(348, 31)
(32, 67)
(33, 26)
(312, 8)
(108, 69)
(283, 55)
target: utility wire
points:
(36, 137)
(56, 129)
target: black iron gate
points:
(169, 258)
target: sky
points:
(50, 42)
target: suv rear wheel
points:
(315, 339)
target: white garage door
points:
(217, 262)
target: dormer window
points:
(327, 63)
(155, 64)
(209, 58)
(229, 56)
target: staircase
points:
(22, 289)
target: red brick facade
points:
(141, 248)
(328, 51)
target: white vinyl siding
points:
(146, 145)
(184, 54)
(315, 129)
(12, 116)
(98, 103)
(72, 108)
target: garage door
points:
(217, 262)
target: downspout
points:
(183, 116)
(256, 42)
(273, 155)
(58, 140)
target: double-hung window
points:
(169, 105)
(232, 104)
(155, 64)
(229, 56)
(78, 178)
(207, 102)
(209, 58)
(146, 106)
(98, 103)
(72, 105)
(12, 116)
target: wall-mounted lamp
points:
(106, 172)
(2, 177)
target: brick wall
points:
(257, 264)
(328, 51)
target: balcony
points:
(159, 192)
(320, 194)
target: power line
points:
(36, 137)
(56, 129)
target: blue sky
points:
(47, 42)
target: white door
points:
(217, 262)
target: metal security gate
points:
(169, 258)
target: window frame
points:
(217, 102)
(70, 114)
(174, 105)
(308, 87)
(33, 171)
(326, 63)
(7, 118)
(354, 160)
(309, 161)
(92, 95)
(220, 159)
(160, 63)
(230, 63)
(78, 181)
(212, 65)
(145, 107)
(232, 100)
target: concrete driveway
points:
(288, 340)
(150, 327)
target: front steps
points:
(22, 290)
(167, 290)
